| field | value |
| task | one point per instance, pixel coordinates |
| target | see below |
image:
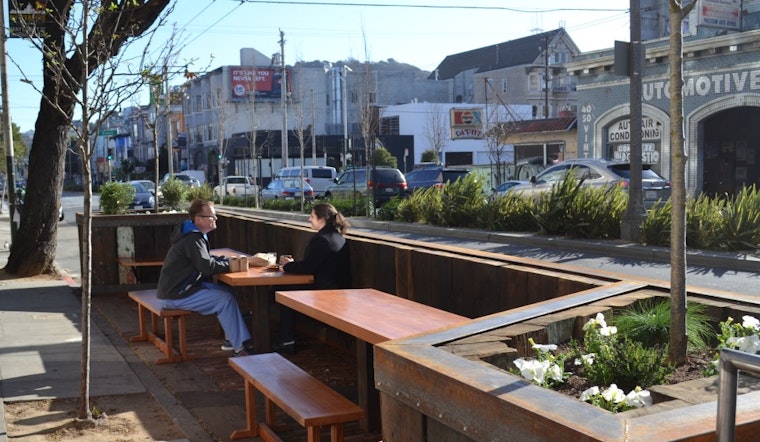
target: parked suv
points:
(386, 183)
(432, 177)
(599, 172)
(318, 177)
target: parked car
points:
(234, 185)
(385, 182)
(318, 177)
(144, 199)
(435, 176)
(187, 179)
(148, 184)
(288, 188)
(504, 188)
(599, 172)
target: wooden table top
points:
(368, 314)
(262, 276)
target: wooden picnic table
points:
(260, 300)
(372, 317)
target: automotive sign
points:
(265, 82)
(649, 153)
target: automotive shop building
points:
(721, 103)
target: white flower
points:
(533, 370)
(608, 331)
(599, 319)
(613, 394)
(638, 398)
(545, 347)
(589, 393)
(751, 322)
(749, 344)
(587, 359)
(555, 372)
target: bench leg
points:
(252, 427)
(143, 336)
(168, 344)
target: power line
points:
(402, 5)
(240, 3)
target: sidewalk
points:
(40, 348)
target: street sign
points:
(107, 132)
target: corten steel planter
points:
(447, 385)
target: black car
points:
(386, 183)
(432, 177)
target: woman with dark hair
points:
(326, 257)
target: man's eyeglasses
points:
(208, 216)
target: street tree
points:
(302, 128)
(83, 47)
(437, 132)
(71, 58)
(678, 339)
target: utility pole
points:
(546, 76)
(284, 100)
(7, 131)
(635, 212)
(313, 136)
(169, 150)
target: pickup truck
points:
(234, 185)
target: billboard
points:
(266, 83)
(725, 14)
(25, 16)
(466, 123)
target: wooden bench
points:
(307, 400)
(148, 303)
(133, 265)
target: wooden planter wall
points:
(137, 235)
(471, 286)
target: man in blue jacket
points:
(185, 283)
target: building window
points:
(389, 126)
(534, 82)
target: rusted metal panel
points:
(484, 403)
(432, 278)
(404, 273)
(401, 423)
(475, 285)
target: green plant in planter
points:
(743, 337)
(620, 360)
(174, 193)
(648, 322)
(607, 359)
(115, 198)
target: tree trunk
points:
(678, 339)
(34, 244)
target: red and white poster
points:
(466, 123)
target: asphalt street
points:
(732, 272)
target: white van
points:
(319, 177)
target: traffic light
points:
(110, 154)
(219, 156)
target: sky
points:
(417, 32)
